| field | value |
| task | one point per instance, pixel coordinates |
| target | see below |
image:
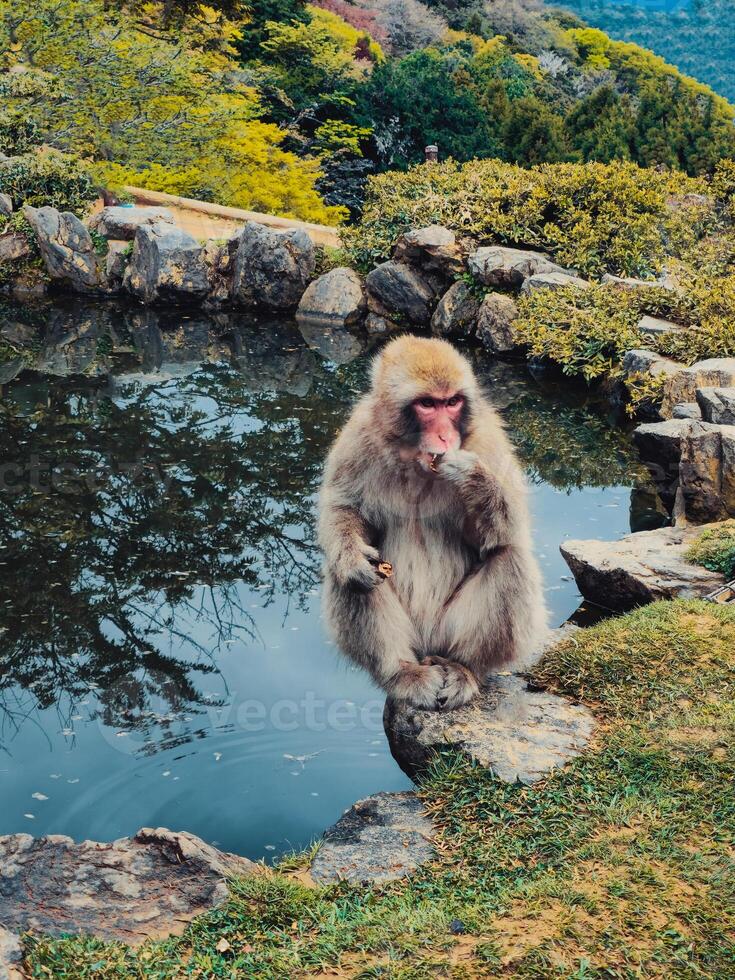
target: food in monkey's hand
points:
(383, 568)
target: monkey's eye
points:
(454, 400)
(426, 402)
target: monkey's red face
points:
(439, 418)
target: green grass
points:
(715, 549)
(622, 865)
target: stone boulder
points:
(6, 205)
(400, 289)
(716, 405)
(642, 361)
(384, 837)
(167, 266)
(219, 258)
(9, 370)
(687, 410)
(715, 372)
(433, 249)
(498, 313)
(335, 299)
(552, 280)
(654, 326)
(11, 956)
(517, 733)
(147, 886)
(13, 246)
(508, 268)
(635, 284)
(457, 312)
(66, 248)
(272, 268)
(659, 446)
(122, 223)
(639, 568)
(116, 262)
(707, 472)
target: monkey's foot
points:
(460, 684)
(419, 684)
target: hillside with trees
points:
(287, 107)
(698, 36)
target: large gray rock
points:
(116, 262)
(717, 405)
(167, 266)
(495, 330)
(11, 956)
(715, 372)
(6, 205)
(13, 246)
(12, 368)
(123, 223)
(335, 299)
(384, 837)
(654, 326)
(272, 268)
(553, 281)
(400, 289)
(636, 284)
(659, 444)
(509, 267)
(433, 249)
(707, 472)
(150, 885)
(639, 568)
(457, 312)
(642, 361)
(518, 734)
(687, 410)
(66, 248)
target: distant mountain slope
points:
(698, 36)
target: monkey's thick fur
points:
(465, 595)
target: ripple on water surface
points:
(163, 658)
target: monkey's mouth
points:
(435, 457)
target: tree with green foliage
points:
(166, 110)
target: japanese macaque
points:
(429, 576)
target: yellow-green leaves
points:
(164, 109)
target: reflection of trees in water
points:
(132, 506)
(128, 521)
(563, 433)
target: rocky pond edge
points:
(153, 883)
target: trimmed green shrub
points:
(715, 549)
(585, 332)
(48, 177)
(595, 217)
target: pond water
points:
(162, 659)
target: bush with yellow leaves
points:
(159, 107)
(595, 217)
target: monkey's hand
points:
(357, 566)
(457, 464)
